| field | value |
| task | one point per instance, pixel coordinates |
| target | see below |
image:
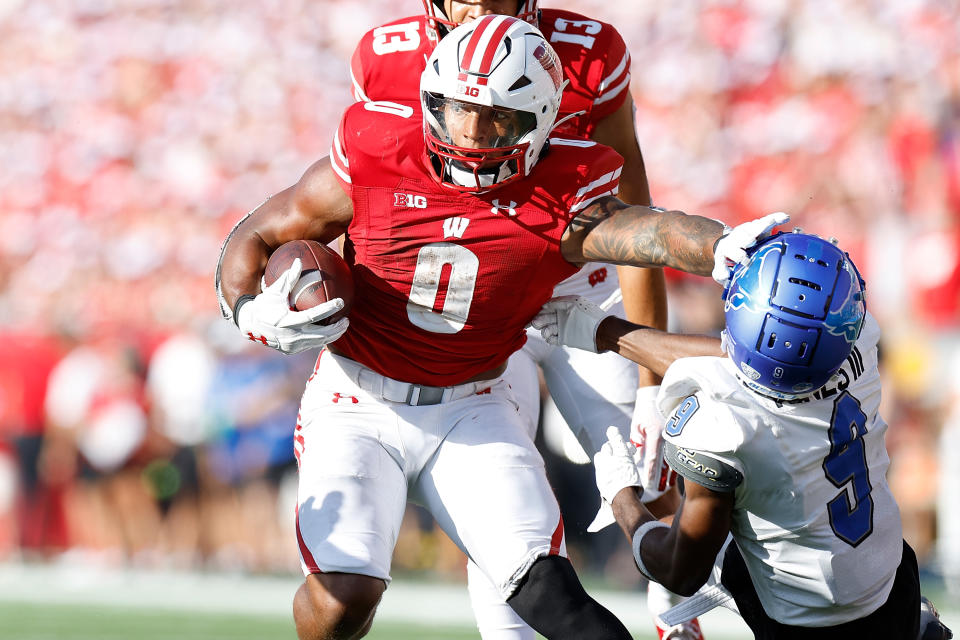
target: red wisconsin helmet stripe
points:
(493, 45)
(466, 62)
(480, 51)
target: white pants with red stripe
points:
(468, 460)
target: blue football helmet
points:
(793, 312)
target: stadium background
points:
(140, 435)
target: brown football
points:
(324, 276)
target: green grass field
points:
(49, 603)
(74, 622)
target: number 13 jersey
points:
(388, 60)
(446, 281)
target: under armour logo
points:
(254, 338)
(509, 207)
(337, 398)
(454, 227)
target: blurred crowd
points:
(138, 427)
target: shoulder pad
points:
(702, 468)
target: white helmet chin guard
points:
(438, 20)
(501, 69)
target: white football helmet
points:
(438, 20)
(498, 70)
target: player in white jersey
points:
(776, 431)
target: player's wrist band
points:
(239, 303)
(644, 529)
(648, 393)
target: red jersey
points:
(446, 281)
(387, 63)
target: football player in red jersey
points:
(454, 248)
(592, 391)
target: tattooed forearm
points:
(648, 238)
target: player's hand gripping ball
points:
(324, 276)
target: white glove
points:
(570, 321)
(268, 318)
(615, 466)
(731, 249)
(646, 432)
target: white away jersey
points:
(814, 518)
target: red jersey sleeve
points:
(598, 170)
(338, 154)
(358, 77)
(614, 86)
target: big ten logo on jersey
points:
(409, 200)
(597, 276)
(396, 37)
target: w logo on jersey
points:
(454, 227)
(509, 208)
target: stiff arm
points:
(652, 348)
(609, 230)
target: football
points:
(324, 276)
